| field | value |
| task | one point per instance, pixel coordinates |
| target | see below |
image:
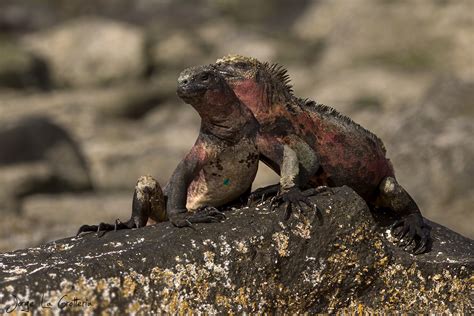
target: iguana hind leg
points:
(410, 228)
(148, 203)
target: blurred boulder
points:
(432, 148)
(18, 16)
(230, 38)
(174, 50)
(36, 156)
(134, 100)
(153, 145)
(20, 68)
(90, 51)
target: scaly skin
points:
(341, 152)
(218, 169)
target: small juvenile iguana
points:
(312, 145)
(219, 168)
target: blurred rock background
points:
(88, 103)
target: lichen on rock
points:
(251, 262)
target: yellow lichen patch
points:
(241, 246)
(242, 297)
(382, 262)
(405, 286)
(303, 228)
(133, 308)
(166, 276)
(129, 286)
(222, 300)
(209, 257)
(281, 240)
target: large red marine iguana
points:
(219, 168)
(312, 145)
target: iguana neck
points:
(228, 121)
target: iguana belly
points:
(225, 176)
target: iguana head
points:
(257, 84)
(207, 91)
(236, 67)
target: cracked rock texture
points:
(253, 261)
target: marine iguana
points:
(218, 169)
(320, 146)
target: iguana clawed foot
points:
(320, 190)
(205, 214)
(292, 198)
(103, 228)
(412, 230)
(261, 193)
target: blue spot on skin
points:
(226, 181)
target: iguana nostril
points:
(185, 81)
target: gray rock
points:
(432, 148)
(252, 262)
(20, 68)
(39, 156)
(90, 51)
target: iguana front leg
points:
(298, 163)
(177, 190)
(290, 192)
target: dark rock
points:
(133, 101)
(253, 261)
(22, 69)
(39, 156)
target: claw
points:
(421, 247)
(249, 200)
(273, 204)
(410, 241)
(320, 190)
(101, 230)
(412, 233)
(86, 229)
(287, 210)
(319, 214)
(396, 224)
(293, 199)
(262, 193)
(410, 237)
(205, 214)
(117, 222)
(403, 232)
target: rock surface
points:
(253, 261)
(90, 51)
(38, 156)
(21, 69)
(432, 157)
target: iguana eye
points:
(204, 76)
(241, 65)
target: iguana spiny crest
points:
(237, 67)
(279, 89)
